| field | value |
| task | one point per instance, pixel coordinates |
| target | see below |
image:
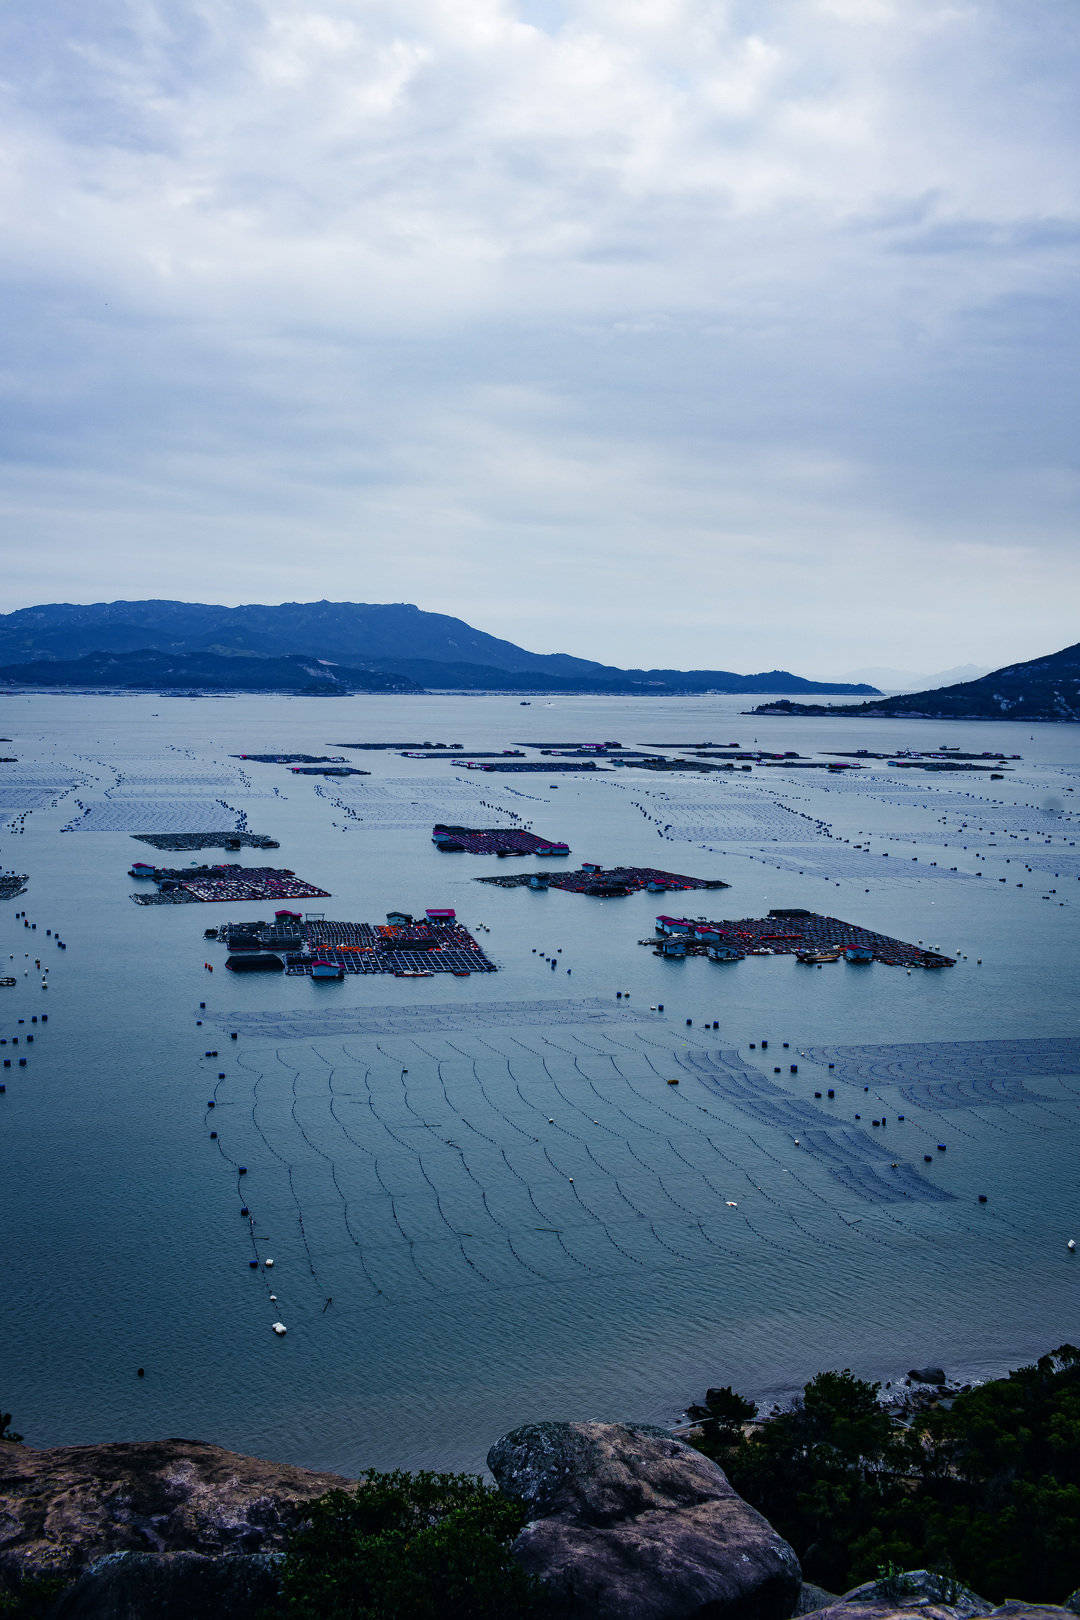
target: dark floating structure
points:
(181, 885)
(11, 884)
(806, 935)
(293, 759)
(175, 842)
(548, 765)
(494, 841)
(408, 947)
(606, 881)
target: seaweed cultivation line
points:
(487, 1097)
(280, 1158)
(329, 1160)
(589, 1082)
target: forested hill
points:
(1045, 688)
(402, 643)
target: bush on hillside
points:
(988, 1491)
(406, 1546)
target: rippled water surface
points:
(483, 1199)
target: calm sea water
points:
(529, 1222)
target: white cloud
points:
(731, 288)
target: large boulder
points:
(627, 1523)
(67, 1507)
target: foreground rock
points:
(67, 1507)
(918, 1592)
(627, 1523)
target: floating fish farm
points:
(549, 765)
(494, 841)
(598, 880)
(293, 759)
(176, 842)
(179, 886)
(802, 934)
(11, 884)
(409, 949)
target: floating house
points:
(674, 925)
(399, 919)
(440, 914)
(725, 953)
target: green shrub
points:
(408, 1547)
(988, 1490)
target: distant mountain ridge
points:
(398, 641)
(207, 672)
(1046, 688)
(905, 680)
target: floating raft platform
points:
(601, 881)
(405, 949)
(11, 884)
(792, 933)
(494, 841)
(175, 842)
(549, 765)
(294, 759)
(183, 885)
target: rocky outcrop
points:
(65, 1508)
(627, 1523)
(918, 1592)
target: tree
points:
(405, 1546)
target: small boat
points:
(462, 973)
(413, 973)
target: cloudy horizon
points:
(663, 333)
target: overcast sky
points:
(690, 332)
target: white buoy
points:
(268, 1262)
(273, 1299)
(280, 1329)
(731, 1204)
(1071, 1243)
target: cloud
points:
(495, 305)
